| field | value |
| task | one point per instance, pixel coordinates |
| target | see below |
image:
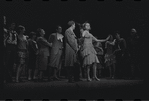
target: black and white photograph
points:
(74, 49)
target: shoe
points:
(89, 80)
(17, 81)
(96, 79)
(56, 79)
(29, 79)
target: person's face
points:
(23, 30)
(12, 26)
(87, 26)
(111, 38)
(117, 36)
(59, 30)
(42, 32)
(73, 26)
(34, 36)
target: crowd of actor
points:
(83, 57)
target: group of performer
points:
(84, 53)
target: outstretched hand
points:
(108, 38)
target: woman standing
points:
(32, 54)
(42, 57)
(100, 52)
(22, 51)
(110, 57)
(56, 52)
(88, 52)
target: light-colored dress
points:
(88, 52)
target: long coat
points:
(42, 57)
(71, 47)
(56, 50)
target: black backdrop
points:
(105, 16)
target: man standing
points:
(10, 43)
(121, 56)
(71, 48)
(133, 48)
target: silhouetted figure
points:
(10, 43)
(32, 48)
(121, 65)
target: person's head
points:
(32, 35)
(21, 29)
(133, 31)
(117, 35)
(111, 38)
(71, 24)
(59, 29)
(12, 26)
(41, 32)
(87, 26)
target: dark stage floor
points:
(104, 89)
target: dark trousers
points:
(70, 72)
(77, 71)
(10, 59)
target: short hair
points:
(70, 23)
(31, 34)
(133, 30)
(58, 26)
(84, 24)
(20, 27)
(39, 30)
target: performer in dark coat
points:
(121, 56)
(71, 48)
(133, 47)
(32, 48)
(56, 52)
(10, 43)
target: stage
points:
(103, 89)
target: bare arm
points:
(100, 40)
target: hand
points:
(107, 38)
